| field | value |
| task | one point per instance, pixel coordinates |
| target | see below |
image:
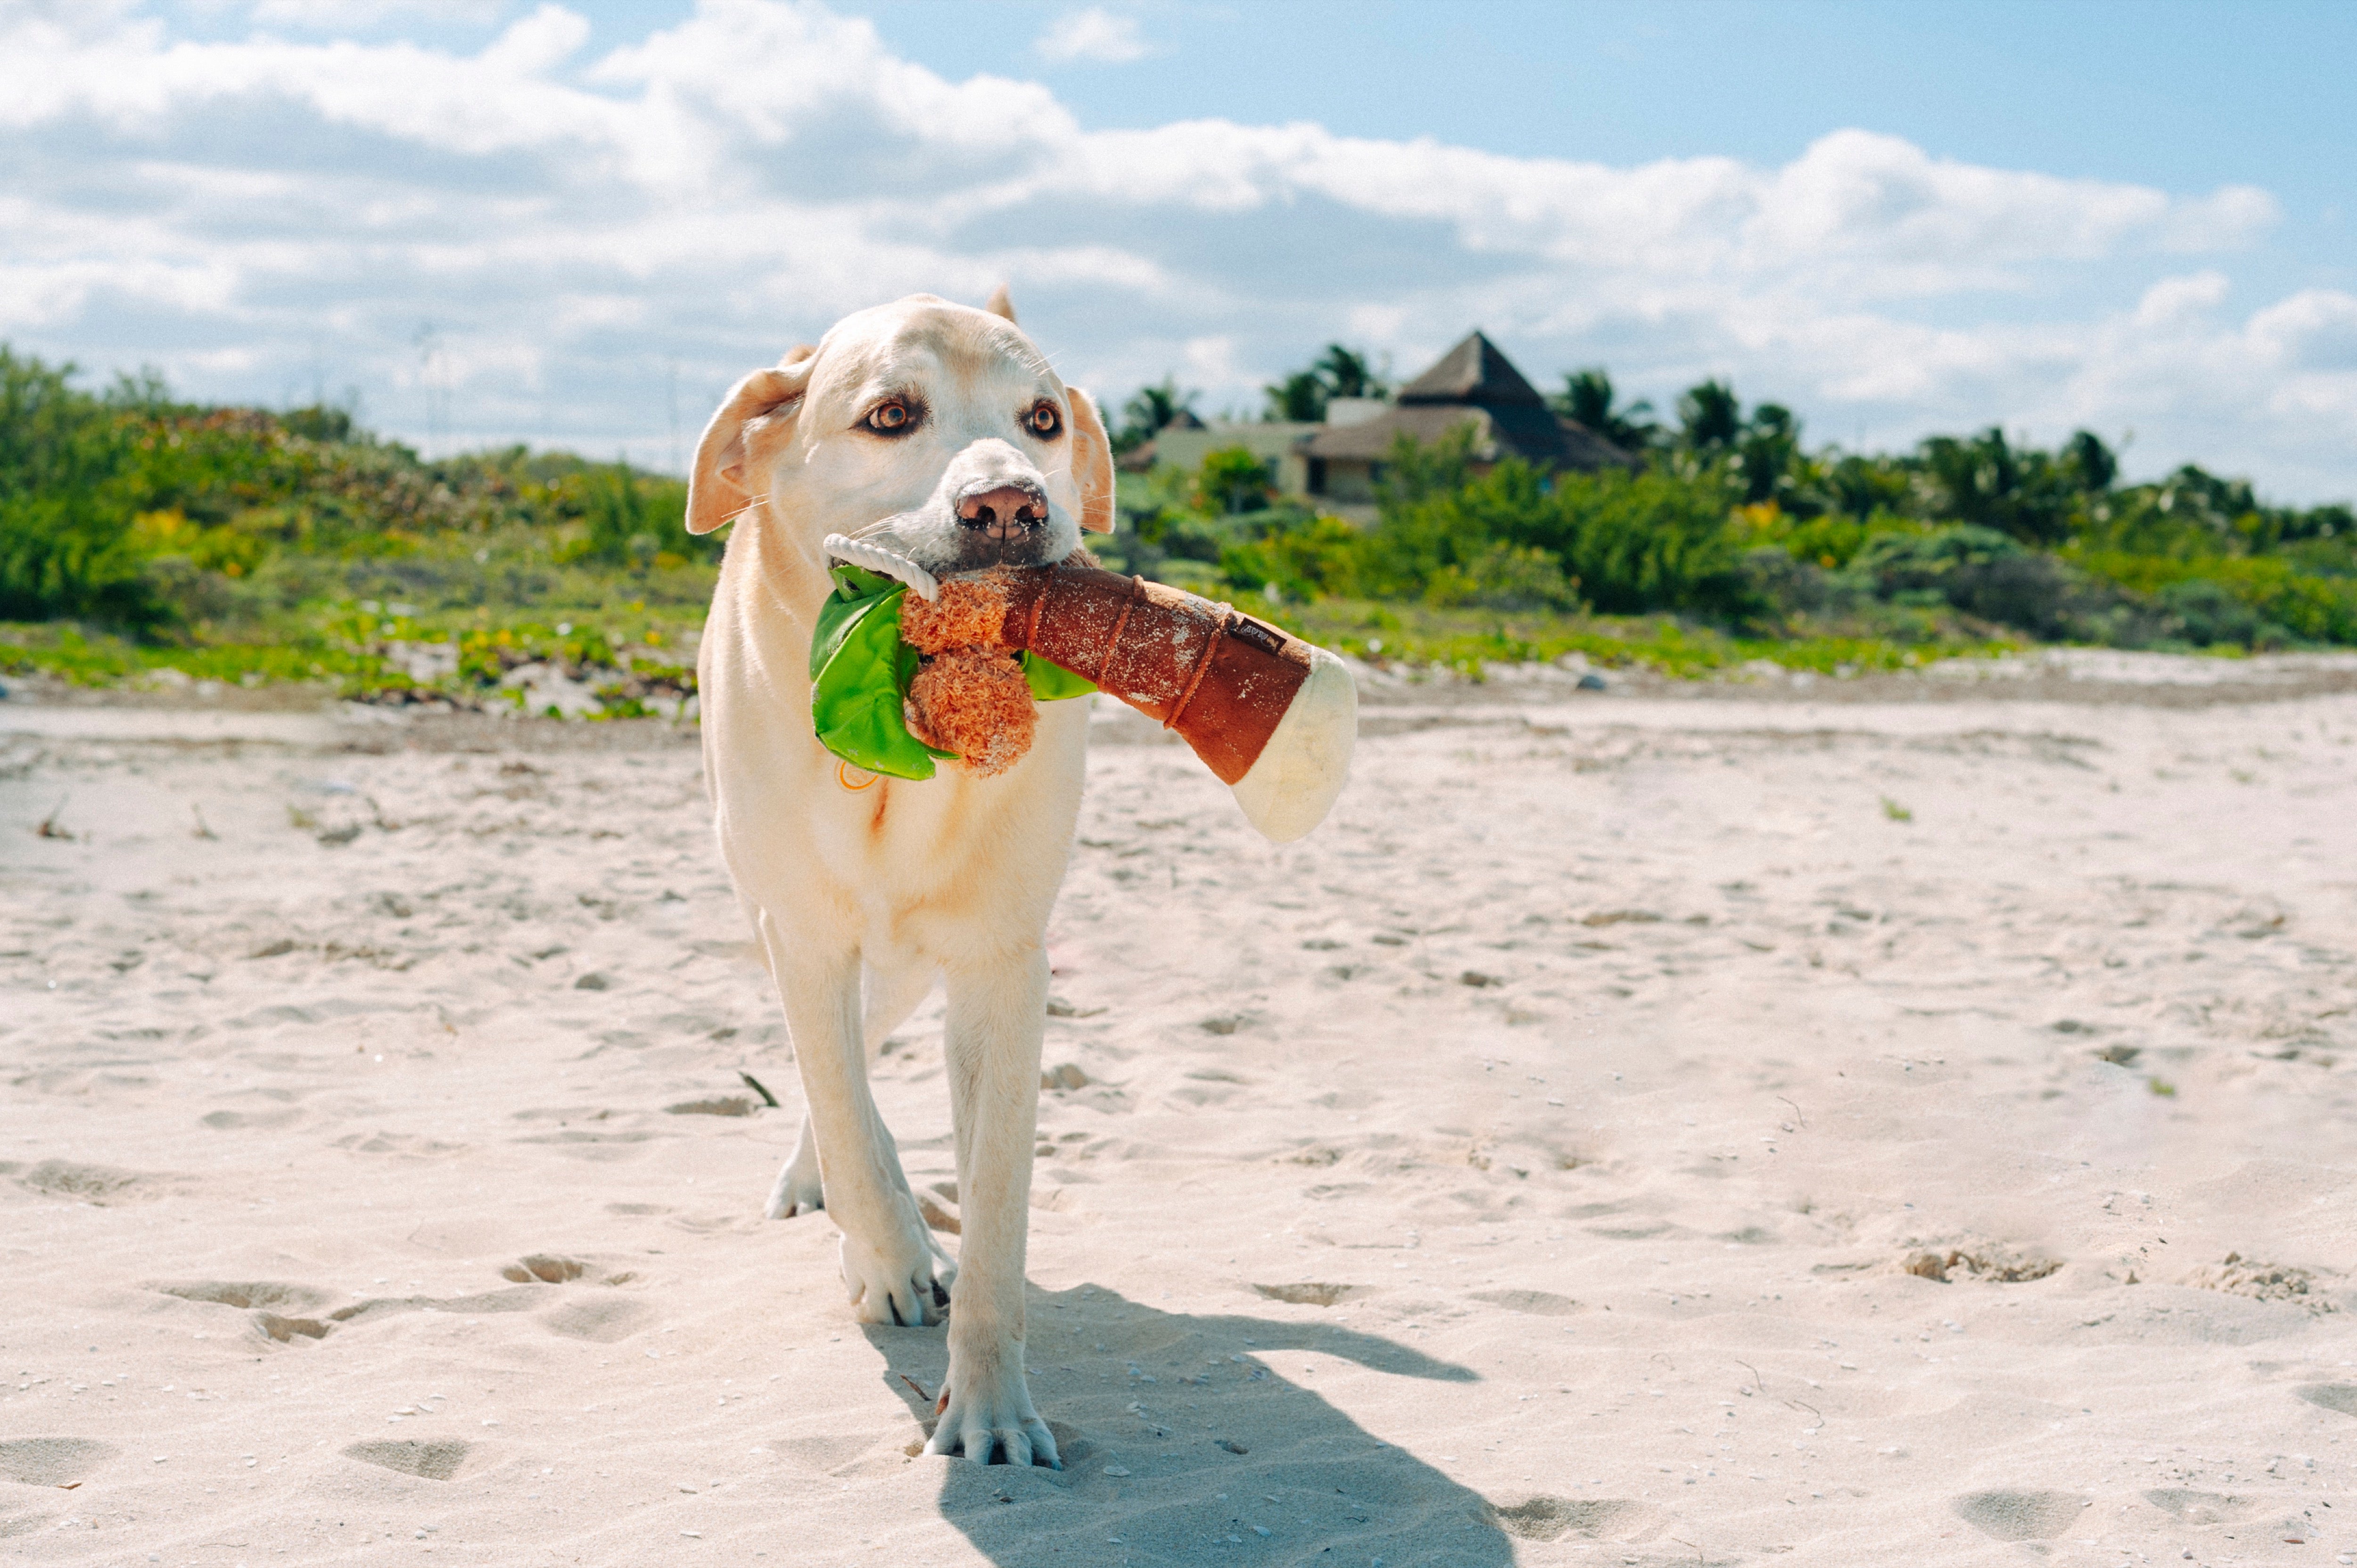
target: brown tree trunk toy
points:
(1273, 717)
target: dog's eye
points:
(890, 419)
(1044, 421)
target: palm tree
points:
(2097, 465)
(1299, 397)
(1347, 373)
(1586, 399)
(1769, 447)
(1710, 417)
(1155, 406)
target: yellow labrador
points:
(926, 438)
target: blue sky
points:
(573, 224)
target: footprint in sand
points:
(396, 1143)
(258, 1121)
(545, 1267)
(263, 1298)
(1993, 1261)
(51, 1461)
(286, 1330)
(436, 1460)
(2199, 1508)
(719, 1105)
(2021, 1515)
(224, 1293)
(555, 1269)
(601, 1320)
(1537, 1302)
(101, 1184)
(1311, 1294)
(1543, 1518)
(2238, 1275)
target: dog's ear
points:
(716, 484)
(1092, 464)
(1000, 302)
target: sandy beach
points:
(1637, 1129)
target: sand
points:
(1633, 1130)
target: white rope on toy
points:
(876, 558)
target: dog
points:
(933, 439)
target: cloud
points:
(582, 231)
(1096, 34)
(2181, 301)
(2315, 329)
(327, 15)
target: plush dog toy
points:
(902, 681)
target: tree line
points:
(127, 508)
(1732, 516)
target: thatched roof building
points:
(1473, 384)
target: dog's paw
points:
(902, 1279)
(985, 1413)
(798, 1189)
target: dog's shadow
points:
(1181, 1439)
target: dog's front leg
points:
(997, 1011)
(889, 1258)
(892, 991)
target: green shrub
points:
(2210, 616)
(1504, 577)
(1232, 479)
(2282, 594)
(73, 555)
(1648, 542)
(1625, 543)
(129, 510)
(1302, 558)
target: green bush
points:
(2282, 596)
(1232, 479)
(1990, 575)
(2208, 615)
(132, 512)
(1301, 557)
(65, 518)
(1649, 541)
(1624, 544)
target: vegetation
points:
(140, 535)
(141, 538)
(1588, 398)
(1302, 396)
(1144, 415)
(1761, 548)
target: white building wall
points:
(1272, 443)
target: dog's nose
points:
(1005, 512)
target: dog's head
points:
(921, 431)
